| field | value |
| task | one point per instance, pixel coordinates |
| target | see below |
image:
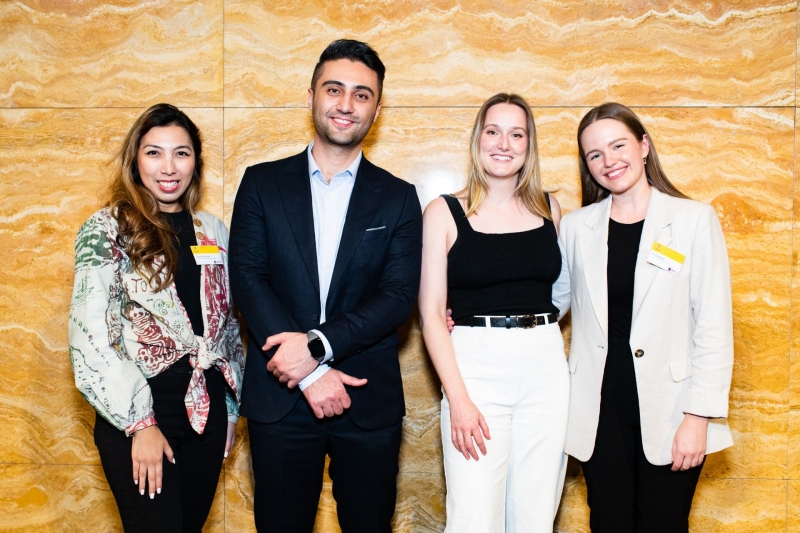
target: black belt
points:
(508, 322)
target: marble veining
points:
(715, 83)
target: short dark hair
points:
(354, 51)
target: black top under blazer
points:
(275, 283)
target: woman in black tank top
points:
(492, 251)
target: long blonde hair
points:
(529, 187)
(147, 238)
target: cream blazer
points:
(682, 325)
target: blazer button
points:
(638, 353)
(314, 316)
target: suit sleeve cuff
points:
(312, 377)
(705, 405)
(328, 349)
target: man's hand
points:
(327, 396)
(292, 361)
(689, 444)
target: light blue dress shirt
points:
(329, 203)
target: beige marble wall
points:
(715, 83)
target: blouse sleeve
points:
(236, 360)
(231, 340)
(104, 372)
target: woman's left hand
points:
(689, 444)
(230, 440)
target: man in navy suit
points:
(325, 254)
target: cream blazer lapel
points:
(657, 228)
(594, 252)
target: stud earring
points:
(644, 159)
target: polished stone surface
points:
(716, 86)
(56, 498)
(117, 53)
(794, 370)
(557, 53)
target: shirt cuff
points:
(149, 420)
(312, 377)
(328, 349)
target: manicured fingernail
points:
(141, 492)
(135, 481)
(226, 454)
(173, 461)
(152, 495)
(158, 491)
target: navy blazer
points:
(275, 283)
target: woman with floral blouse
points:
(154, 340)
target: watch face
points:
(317, 349)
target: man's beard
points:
(345, 140)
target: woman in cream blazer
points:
(642, 462)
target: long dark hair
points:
(592, 192)
(146, 237)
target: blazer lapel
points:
(594, 251)
(657, 228)
(364, 200)
(295, 190)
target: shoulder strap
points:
(457, 211)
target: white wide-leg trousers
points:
(519, 380)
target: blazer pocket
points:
(680, 368)
(372, 234)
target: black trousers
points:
(288, 465)
(188, 486)
(626, 493)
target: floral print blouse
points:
(121, 332)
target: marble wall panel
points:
(215, 523)
(739, 506)
(794, 372)
(793, 506)
(573, 513)
(56, 499)
(421, 447)
(448, 53)
(114, 53)
(239, 500)
(739, 58)
(53, 169)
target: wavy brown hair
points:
(592, 192)
(146, 237)
(529, 186)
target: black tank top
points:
(501, 273)
(623, 249)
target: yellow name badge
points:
(207, 255)
(666, 258)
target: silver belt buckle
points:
(533, 323)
